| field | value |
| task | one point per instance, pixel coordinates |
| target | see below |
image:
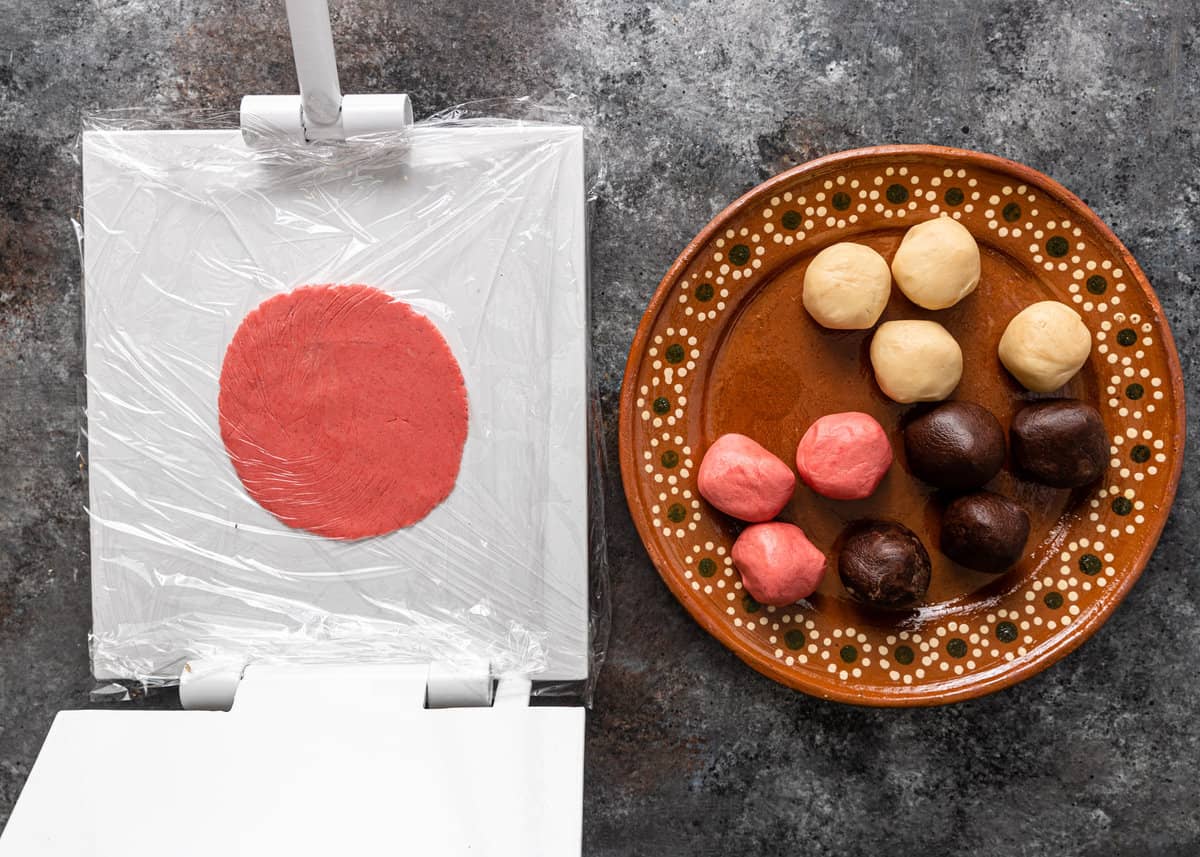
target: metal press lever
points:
(320, 111)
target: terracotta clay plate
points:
(726, 346)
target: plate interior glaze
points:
(726, 346)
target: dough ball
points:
(778, 564)
(744, 480)
(884, 563)
(916, 361)
(1061, 443)
(844, 456)
(847, 286)
(984, 531)
(937, 263)
(1045, 345)
(958, 446)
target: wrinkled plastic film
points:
(478, 225)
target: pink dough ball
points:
(844, 456)
(779, 565)
(744, 480)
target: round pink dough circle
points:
(343, 411)
(778, 564)
(844, 456)
(744, 479)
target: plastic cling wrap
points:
(479, 227)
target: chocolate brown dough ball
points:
(958, 446)
(984, 531)
(884, 564)
(1061, 443)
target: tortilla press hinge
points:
(234, 686)
(320, 111)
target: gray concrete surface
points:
(688, 105)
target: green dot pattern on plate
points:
(1126, 336)
(1057, 246)
(676, 512)
(897, 193)
(740, 254)
(749, 604)
(1053, 600)
(1089, 563)
(841, 200)
(1097, 285)
(670, 458)
(704, 292)
(1011, 212)
(957, 647)
(794, 639)
(1140, 454)
(675, 353)
(1135, 391)
(1122, 505)
(904, 655)
(1006, 632)
(791, 220)
(708, 567)
(849, 654)
(661, 405)
(954, 196)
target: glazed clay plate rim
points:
(1046, 652)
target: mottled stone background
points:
(687, 106)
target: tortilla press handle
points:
(320, 112)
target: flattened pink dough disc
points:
(743, 479)
(778, 564)
(844, 456)
(343, 411)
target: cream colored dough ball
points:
(1045, 345)
(847, 286)
(916, 361)
(937, 263)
